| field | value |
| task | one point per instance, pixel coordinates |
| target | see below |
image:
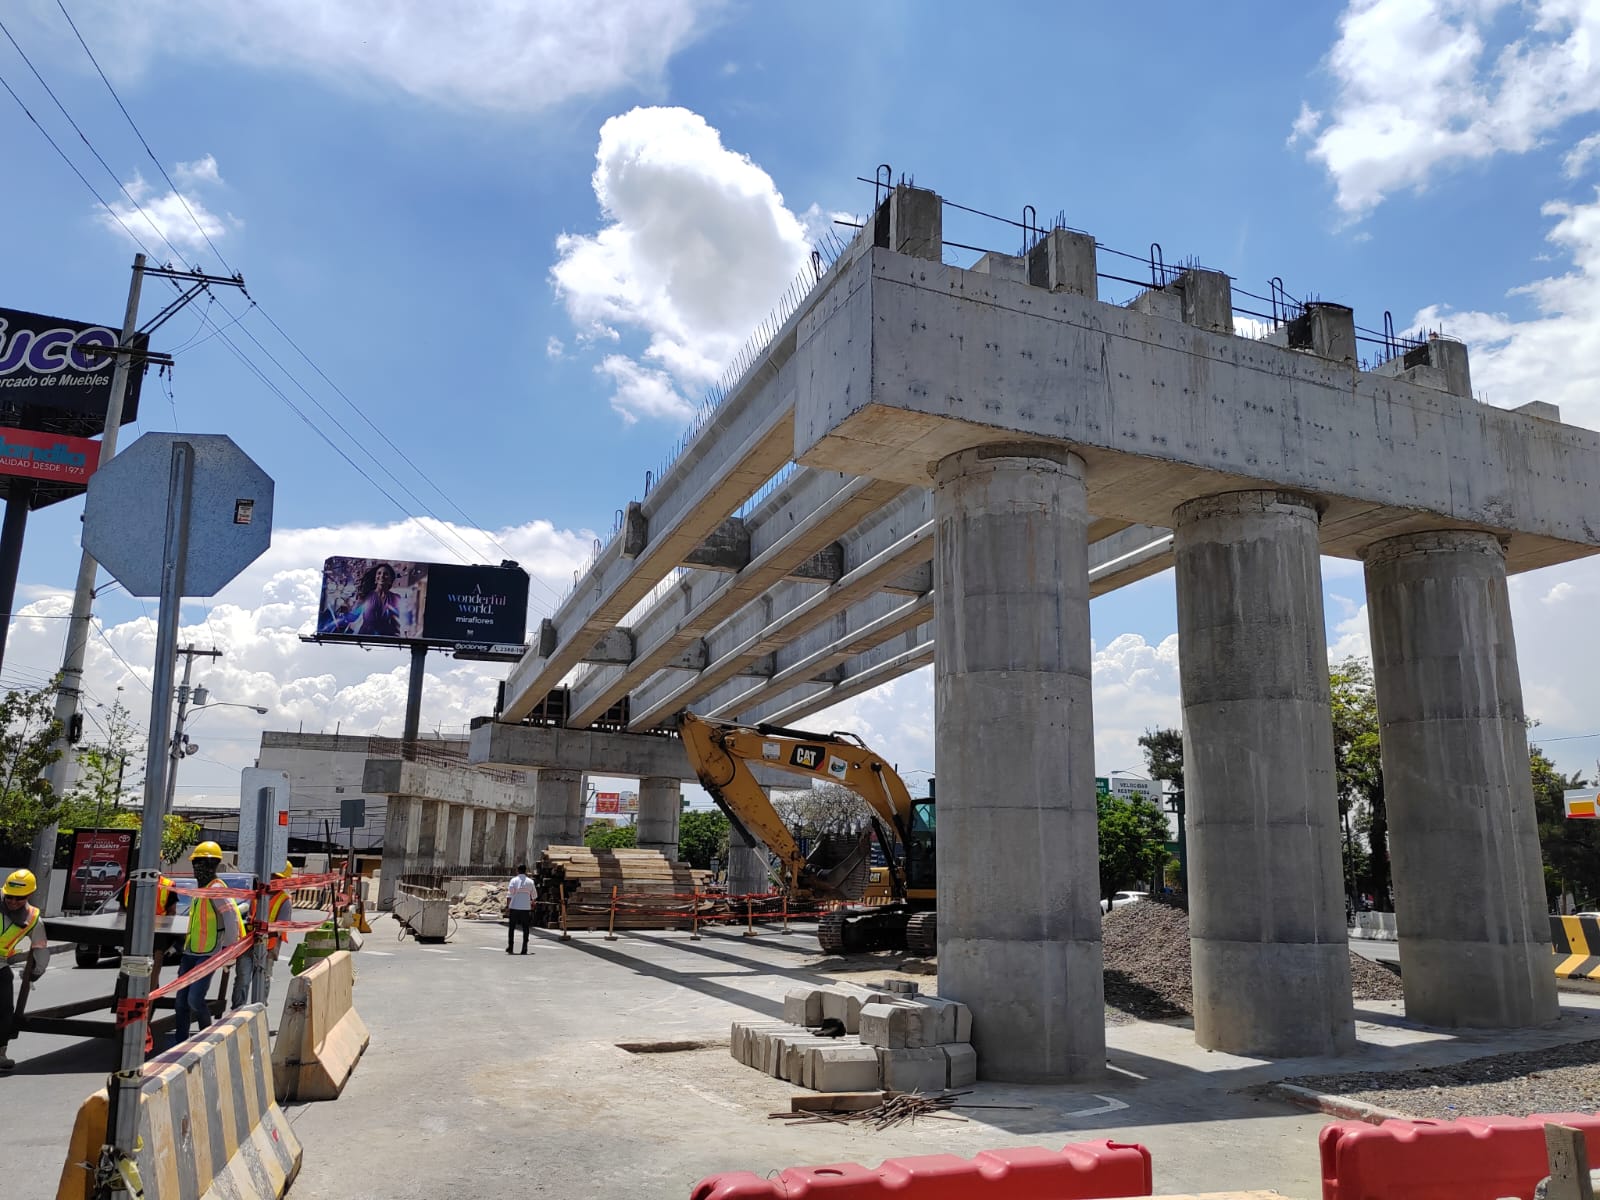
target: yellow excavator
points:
(722, 753)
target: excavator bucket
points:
(837, 869)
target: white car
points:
(1121, 899)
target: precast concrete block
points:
(844, 1005)
(803, 1006)
(962, 1062)
(844, 1068)
(922, 1070)
(885, 1025)
(940, 1020)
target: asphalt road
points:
(1377, 951)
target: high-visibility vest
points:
(204, 924)
(275, 907)
(11, 935)
(164, 888)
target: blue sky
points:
(410, 193)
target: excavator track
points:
(922, 934)
(858, 930)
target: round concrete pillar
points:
(1019, 914)
(747, 865)
(1463, 839)
(557, 810)
(660, 802)
(1266, 908)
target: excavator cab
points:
(921, 856)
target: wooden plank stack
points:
(653, 892)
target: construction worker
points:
(166, 906)
(22, 943)
(214, 925)
(280, 907)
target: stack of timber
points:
(652, 891)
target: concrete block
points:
(920, 1070)
(844, 1004)
(803, 1006)
(885, 1025)
(961, 1062)
(845, 1068)
(936, 1021)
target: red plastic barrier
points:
(1470, 1158)
(1082, 1171)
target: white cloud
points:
(697, 248)
(257, 621)
(1420, 86)
(202, 170)
(178, 218)
(1555, 354)
(1580, 156)
(554, 348)
(497, 54)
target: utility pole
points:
(189, 654)
(69, 682)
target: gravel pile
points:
(1147, 968)
(1557, 1079)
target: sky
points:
(495, 253)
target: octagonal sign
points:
(230, 513)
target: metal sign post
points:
(266, 809)
(136, 964)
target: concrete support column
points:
(1019, 912)
(1464, 843)
(747, 865)
(660, 802)
(522, 843)
(557, 810)
(432, 831)
(1266, 908)
(478, 843)
(459, 829)
(402, 830)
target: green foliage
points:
(99, 792)
(702, 836)
(1163, 754)
(1133, 843)
(603, 835)
(1571, 849)
(177, 835)
(1358, 769)
(29, 743)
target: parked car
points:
(1122, 898)
(99, 870)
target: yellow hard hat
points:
(21, 883)
(288, 870)
(206, 850)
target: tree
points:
(177, 835)
(95, 801)
(1358, 769)
(1133, 842)
(702, 836)
(1570, 849)
(1163, 756)
(603, 835)
(29, 734)
(830, 808)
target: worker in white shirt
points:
(519, 907)
(23, 947)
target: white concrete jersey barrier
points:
(425, 911)
(321, 1037)
(1376, 926)
(209, 1127)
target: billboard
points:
(441, 604)
(100, 859)
(49, 362)
(31, 455)
(607, 803)
(1581, 804)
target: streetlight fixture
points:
(182, 747)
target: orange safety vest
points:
(275, 907)
(205, 928)
(11, 935)
(164, 888)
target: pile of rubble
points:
(480, 902)
(1148, 972)
(853, 1039)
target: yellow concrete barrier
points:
(1576, 941)
(321, 1036)
(208, 1125)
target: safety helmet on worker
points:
(21, 883)
(206, 850)
(288, 870)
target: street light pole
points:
(175, 751)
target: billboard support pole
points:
(19, 499)
(419, 658)
(70, 681)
